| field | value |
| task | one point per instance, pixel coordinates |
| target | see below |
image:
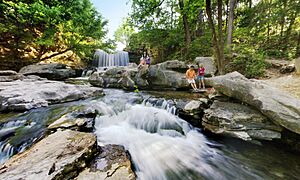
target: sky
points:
(114, 11)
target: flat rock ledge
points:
(281, 108)
(239, 121)
(61, 155)
(22, 95)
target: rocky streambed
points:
(67, 131)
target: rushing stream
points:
(161, 145)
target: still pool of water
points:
(161, 145)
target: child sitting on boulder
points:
(190, 76)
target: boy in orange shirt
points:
(190, 76)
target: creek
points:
(161, 145)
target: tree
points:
(31, 29)
(124, 32)
(218, 40)
(230, 23)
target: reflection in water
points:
(162, 145)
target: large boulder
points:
(160, 78)
(61, 155)
(297, 65)
(32, 93)
(278, 106)
(113, 163)
(174, 65)
(7, 76)
(240, 121)
(209, 65)
(96, 79)
(51, 71)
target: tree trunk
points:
(185, 24)
(219, 52)
(298, 47)
(282, 22)
(200, 23)
(230, 24)
(221, 39)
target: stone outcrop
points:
(61, 155)
(112, 163)
(240, 121)
(7, 76)
(209, 65)
(159, 76)
(51, 71)
(279, 107)
(31, 93)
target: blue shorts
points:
(200, 78)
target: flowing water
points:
(103, 59)
(161, 145)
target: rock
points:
(8, 73)
(7, 76)
(287, 69)
(51, 71)
(240, 121)
(297, 65)
(112, 163)
(192, 105)
(174, 65)
(209, 65)
(61, 155)
(96, 79)
(278, 106)
(166, 79)
(159, 76)
(31, 93)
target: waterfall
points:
(103, 59)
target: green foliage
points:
(124, 32)
(248, 62)
(51, 26)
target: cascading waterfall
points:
(103, 59)
(162, 145)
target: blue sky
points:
(114, 11)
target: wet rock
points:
(279, 107)
(51, 71)
(7, 76)
(209, 65)
(81, 119)
(240, 121)
(61, 155)
(112, 163)
(31, 93)
(193, 111)
(96, 80)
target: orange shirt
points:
(190, 74)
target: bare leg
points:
(194, 86)
(202, 81)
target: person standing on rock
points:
(201, 72)
(190, 76)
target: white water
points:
(103, 59)
(162, 146)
